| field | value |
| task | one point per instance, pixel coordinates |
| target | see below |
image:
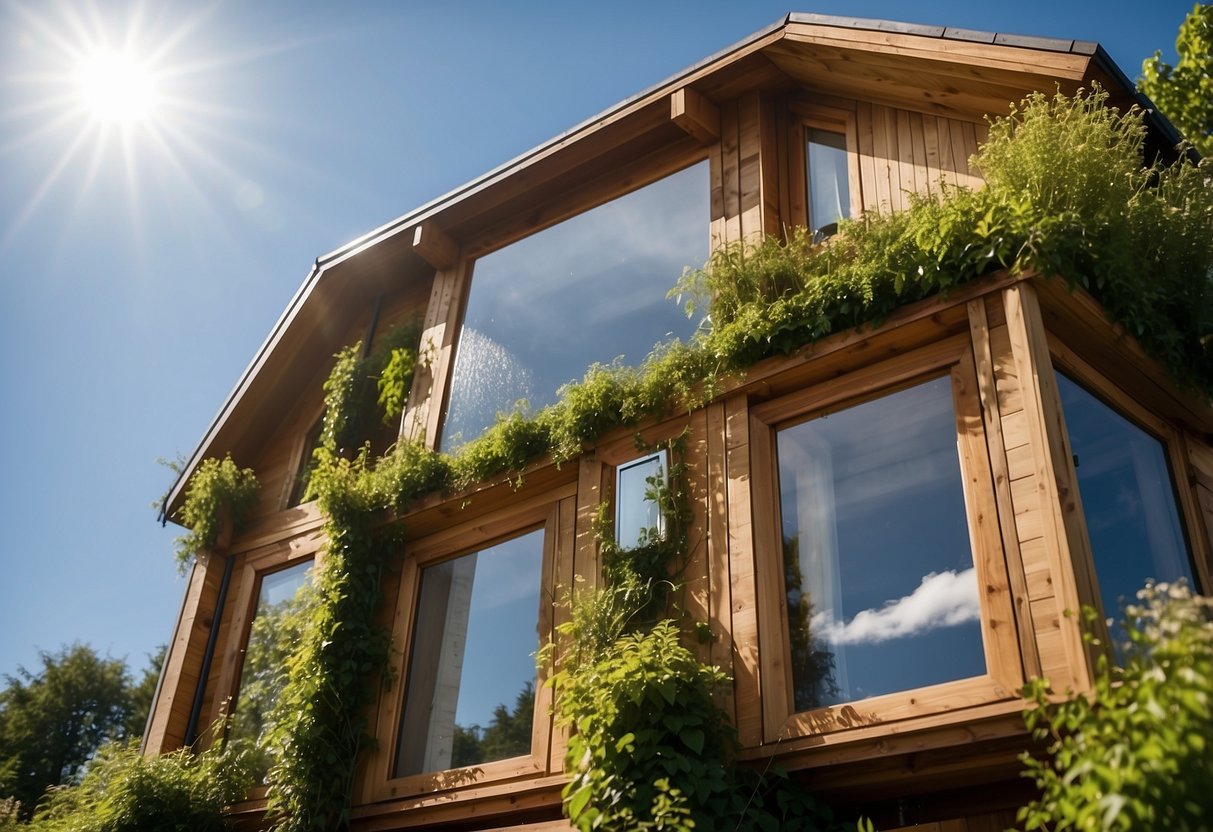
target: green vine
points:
(363, 391)
(650, 748)
(1066, 195)
(218, 492)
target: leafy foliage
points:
(219, 491)
(363, 391)
(53, 721)
(1135, 755)
(1066, 195)
(508, 735)
(123, 791)
(1184, 92)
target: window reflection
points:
(881, 589)
(829, 183)
(283, 604)
(636, 515)
(1128, 498)
(591, 289)
(469, 695)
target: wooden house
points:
(934, 494)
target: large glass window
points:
(470, 689)
(1128, 498)
(828, 181)
(882, 595)
(282, 605)
(590, 289)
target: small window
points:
(637, 514)
(829, 189)
(882, 593)
(469, 695)
(1128, 498)
(277, 625)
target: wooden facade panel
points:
(1052, 639)
(1037, 568)
(171, 710)
(720, 597)
(903, 152)
(743, 613)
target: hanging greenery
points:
(219, 492)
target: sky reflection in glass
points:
(1127, 498)
(590, 289)
(882, 593)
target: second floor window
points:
(588, 290)
(829, 189)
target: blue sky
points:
(138, 275)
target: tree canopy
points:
(1184, 92)
(53, 721)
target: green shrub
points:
(1135, 755)
(123, 791)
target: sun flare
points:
(115, 87)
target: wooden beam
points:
(434, 246)
(695, 114)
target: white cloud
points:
(943, 599)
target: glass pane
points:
(636, 517)
(1127, 496)
(470, 692)
(276, 628)
(882, 593)
(591, 289)
(829, 184)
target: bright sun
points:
(115, 87)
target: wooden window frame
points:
(1098, 384)
(925, 707)
(809, 116)
(549, 511)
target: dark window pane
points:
(469, 696)
(829, 185)
(591, 289)
(881, 588)
(1127, 496)
(636, 516)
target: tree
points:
(1184, 92)
(52, 722)
(1135, 755)
(143, 693)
